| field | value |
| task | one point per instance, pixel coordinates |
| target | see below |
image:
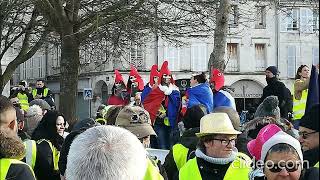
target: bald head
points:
(8, 118)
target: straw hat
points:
(216, 123)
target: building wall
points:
(259, 39)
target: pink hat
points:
(269, 136)
(255, 146)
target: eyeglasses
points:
(290, 167)
(226, 142)
(305, 135)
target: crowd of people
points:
(200, 128)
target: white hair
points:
(34, 110)
(106, 152)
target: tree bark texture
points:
(216, 59)
(69, 76)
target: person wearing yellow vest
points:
(101, 114)
(48, 135)
(309, 135)
(216, 155)
(11, 149)
(300, 94)
(186, 146)
(137, 120)
(23, 94)
(41, 90)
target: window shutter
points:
(291, 61)
(306, 20)
(199, 57)
(303, 20)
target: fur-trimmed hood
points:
(253, 127)
(11, 146)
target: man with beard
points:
(277, 88)
(11, 147)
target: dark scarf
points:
(271, 80)
(312, 156)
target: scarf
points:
(220, 161)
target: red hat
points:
(217, 78)
(154, 73)
(118, 77)
(165, 70)
(134, 73)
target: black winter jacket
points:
(189, 140)
(277, 88)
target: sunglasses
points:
(290, 167)
(305, 135)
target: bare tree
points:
(20, 26)
(217, 59)
(118, 23)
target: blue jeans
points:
(163, 136)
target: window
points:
(199, 57)
(24, 71)
(260, 57)
(172, 55)
(56, 56)
(306, 20)
(292, 19)
(261, 17)
(315, 55)
(232, 57)
(291, 61)
(39, 67)
(234, 16)
(136, 56)
(316, 20)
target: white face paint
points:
(166, 79)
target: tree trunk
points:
(69, 76)
(220, 34)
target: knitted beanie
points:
(273, 69)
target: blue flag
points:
(313, 89)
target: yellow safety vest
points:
(5, 164)
(299, 106)
(180, 155)
(102, 121)
(45, 92)
(55, 153)
(31, 152)
(23, 98)
(239, 169)
(317, 165)
(152, 172)
(166, 119)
